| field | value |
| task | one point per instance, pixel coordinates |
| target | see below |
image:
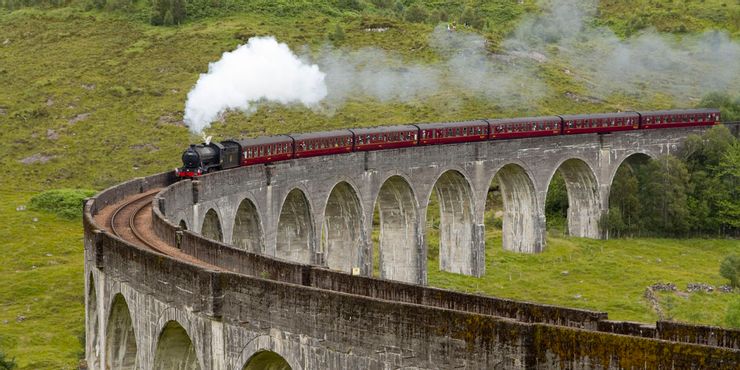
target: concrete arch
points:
(627, 159)
(342, 230)
(295, 234)
(212, 226)
(584, 202)
(399, 236)
(247, 234)
(174, 349)
(521, 229)
(121, 348)
(266, 343)
(456, 226)
(266, 360)
(93, 322)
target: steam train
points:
(207, 157)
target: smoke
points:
(563, 34)
(374, 73)
(683, 67)
(260, 70)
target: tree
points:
(556, 203)
(730, 108)
(416, 13)
(472, 18)
(663, 195)
(623, 197)
(178, 11)
(729, 175)
(168, 19)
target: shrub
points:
(730, 269)
(66, 203)
(6, 364)
(337, 36)
(416, 13)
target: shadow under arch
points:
(174, 349)
(183, 225)
(341, 233)
(247, 233)
(295, 232)
(93, 323)
(455, 200)
(266, 360)
(212, 226)
(520, 228)
(121, 348)
(584, 202)
(398, 252)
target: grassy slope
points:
(131, 80)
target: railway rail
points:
(130, 220)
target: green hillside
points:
(92, 94)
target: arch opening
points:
(295, 229)
(183, 225)
(520, 227)
(120, 344)
(624, 203)
(247, 233)
(450, 224)
(398, 254)
(342, 238)
(584, 205)
(212, 226)
(175, 349)
(266, 360)
(93, 324)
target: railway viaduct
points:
(258, 264)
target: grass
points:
(90, 99)
(41, 295)
(602, 275)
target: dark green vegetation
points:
(5, 363)
(63, 202)
(92, 97)
(696, 194)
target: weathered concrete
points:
(162, 313)
(319, 210)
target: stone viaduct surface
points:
(279, 296)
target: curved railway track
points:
(123, 219)
(131, 220)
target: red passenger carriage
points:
(386, 137)
(452, 132)
(266, 149)
(323, 143)
(510, 128)
(598, 123)
(680, 118)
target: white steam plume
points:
(260, 70)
